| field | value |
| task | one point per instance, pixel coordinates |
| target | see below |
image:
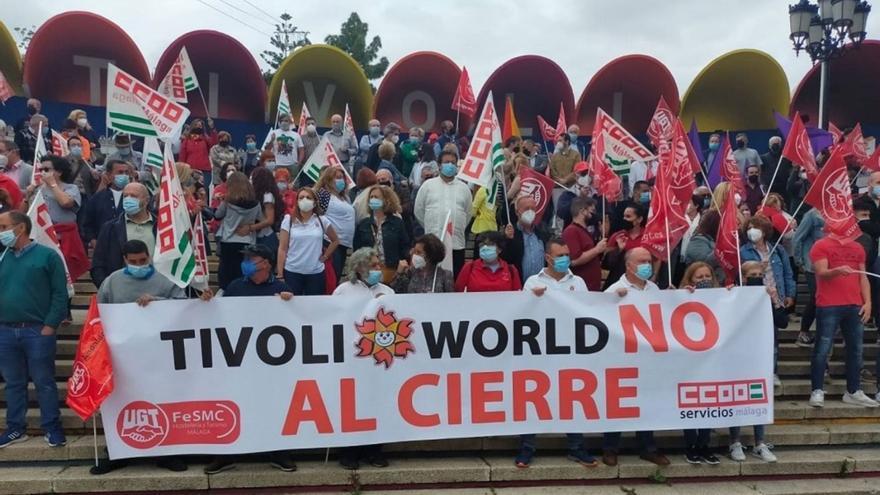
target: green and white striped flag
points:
(283, 101)
(153, 157)
(497, 167)
(324, 156)
(135, 108)
(174, 256)
(485, 157)
(190, 81)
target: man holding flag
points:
(30, 313)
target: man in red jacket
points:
(195, 147)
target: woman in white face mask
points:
(423, 274)
(301, 252)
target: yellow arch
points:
(323, 65)
(10, 59)
(738, 90)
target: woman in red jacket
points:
(489, 273)
(195, 148)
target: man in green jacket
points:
(33, 302)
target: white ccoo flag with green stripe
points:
(190, 81)
(174, 255)
(283, 101)
(135, 108)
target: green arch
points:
(10, 59)
(738, 90)
(323, 65)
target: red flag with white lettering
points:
(831, 194)
(662, 125)
(730, 169)
(798, 148)
(91, 380)
(727, 238)
(854, 145)
(539, 187)
(606, 182)
(464, 100)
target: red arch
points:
(241, 86)
(640, 80)
(853, 92)
(49, 71)
(430, 72)
(538, 85)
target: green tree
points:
(352, 39)
(286, 38)
(24, 35)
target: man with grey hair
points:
(137, 223)
(26, 139)
(12, 166)
(372, 137)
(344, 143)
(744, 155)
(391, 134)
(769, 162)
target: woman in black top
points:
(384, 230)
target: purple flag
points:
(694, 138)
(819, 139)
(714, 174)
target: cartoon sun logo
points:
(384, 337)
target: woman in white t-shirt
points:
(301, 251)
(334, 202)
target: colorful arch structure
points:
(853, 91)
(227, 72)
(58, 47)
(723, 96)
(628, 88)
(10, 60)
(326, 78)
(417, 91)
(536, 85)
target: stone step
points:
(801, 368)
(869, 350)
(801, 388)
(481, 475)
(789, 334)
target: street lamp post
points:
(822, 30)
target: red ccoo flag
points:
(91, 380)
(464, 100)
(540, 188)
(547, 133)
(854, 145)
(561, 128)
(727, 238)
(662, 126)
(873, 161)
(730, 169)
(836, 133)
(798, 148)
(831, 194)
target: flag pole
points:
(711, 195)
(772, 180)
(668, 254)
(739, 259)
(603, 218)
(207, 113)
(856, 178)
(457, 113)
(506, 202)
(95, 436)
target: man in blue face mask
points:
(135, 223)
(106, 204)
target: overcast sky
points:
(580, 35)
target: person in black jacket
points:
(391, 134)
(106, 204)
(136, 222)
(384, 230)
(525, 238)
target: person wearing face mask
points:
(384, 231)
(755, 191)
(220, 153)
(701, 199)
(195, 147)
(12, 166)
(555, 277)
(363, 275)
(641, 197)
(338, 210)
(106, 204)
(84, 128)
(711, 151)
(639, 270)
(33, 303)
(562, 164)
(138, 281)
(367, 141)
(423, 274)
(240, 214)
(84, 176)
(447, 136)
(124, 152)
(33, 106)
(302, 255)
(70, 130)
(701, 247)
(249, 157)
(391, 135)
(288, 192)
(574, 132)
(409, 150)
(136, 223)
(769, 161)
(310, 138)
(489, 272)
(438, 198)
(623, 241)
(344, 143)
(425, 158)
(778, 275)
(643, 170)
(744, 155)
(582, 189)
(26, 138)
(586, 252)
(386, 153)
(525, 240)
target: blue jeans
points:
(759, 434)
(24, 353)
(611, 441)
(828, 319)
(306, 285)
(575, 441)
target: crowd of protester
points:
(277, 232)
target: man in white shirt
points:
(12, 165)
(556, 276)
(639, 269)
(287, 144)
(441, 195)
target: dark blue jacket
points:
(107, 257)
(100, 209)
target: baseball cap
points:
(261, 251)
(581, 167)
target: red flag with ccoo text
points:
(831, 194)
(464, 100)
(91, 380)
(798, 148)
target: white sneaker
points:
(817, 398)
(763, 451)
(736, 452)
(776, 381)
(859, 399)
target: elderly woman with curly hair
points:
(363, 275)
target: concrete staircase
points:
(831, 450)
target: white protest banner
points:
(236, 375)
(135, 108)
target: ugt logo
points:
(384, 337)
